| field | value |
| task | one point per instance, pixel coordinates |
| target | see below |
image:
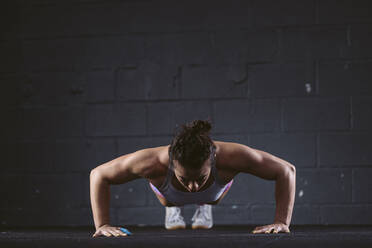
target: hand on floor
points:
(108, 231)
(276, 228)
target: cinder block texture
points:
(362, 182)
(314, 43)
(166, 116)
(115, 119)
(324, 186)
(345, 78)
(351, 214)
(349, 150)
(247, 116)
(346, 11)
(286, 146)
(84, 82)
(316, 114)
(361, 113)
(282, 80)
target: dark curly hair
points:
(191, 145)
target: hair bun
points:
(199, 127)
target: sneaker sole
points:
(175, 227)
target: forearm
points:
(100, 200)
(285, 189)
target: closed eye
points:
(202, 178)
(199, 180)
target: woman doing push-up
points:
(193, 169)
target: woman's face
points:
(192, 179)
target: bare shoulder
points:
(223, 147)
(242, 158)
(226, 153)
(157, 165)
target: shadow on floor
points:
(218, 236)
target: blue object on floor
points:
(125, 230)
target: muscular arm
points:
(267, 166)
(118, 171)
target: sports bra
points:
(210, 194)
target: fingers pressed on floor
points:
(269, 230)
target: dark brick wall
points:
(85, 81)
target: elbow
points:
(289, 171)
(94, 174)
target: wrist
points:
(102, 225)
(280, 222)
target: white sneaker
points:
(174, 219)
(202, 217)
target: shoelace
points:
(175, 215)
(201, 212)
